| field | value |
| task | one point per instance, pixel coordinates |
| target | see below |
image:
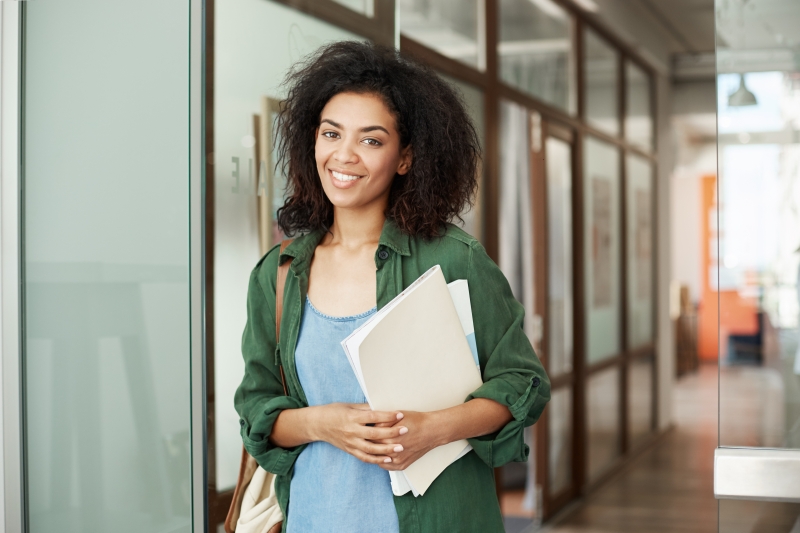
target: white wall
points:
(664, 328)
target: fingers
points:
(382, 433)
(387, 450)
(371, 459)
(377, 417)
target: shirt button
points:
(383, 254)
(536, 382)
(241, 422)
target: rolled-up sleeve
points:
(260, 398)
(512, 373)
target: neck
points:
(354, 228)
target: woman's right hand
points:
(352, 427)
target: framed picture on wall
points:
(270, 183)
(601, 242)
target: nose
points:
(345, 153)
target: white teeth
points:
(344, 177)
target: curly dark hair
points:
(430, 115)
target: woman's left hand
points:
(423, 434)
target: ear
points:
(405, 161)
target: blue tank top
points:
(331, 490)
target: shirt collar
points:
(302, 248)
(392, 237)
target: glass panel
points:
(639, 213)
(747, 516)
(602, 82)
(244, 30)
(560, 346)
(535, 50)
(560, 442)
(640, 400)
(516, 213)
(454, 28)
(474, 99)
(602, 400)
(365, 7)
(638, 108)
(758, 236)
(106, 264)
(601, 248)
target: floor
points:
(669, 487)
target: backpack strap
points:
(283, 271)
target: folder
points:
(415, 354)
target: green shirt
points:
(463, 497)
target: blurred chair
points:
(748, 349)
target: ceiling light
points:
(588, 5)
(742, 97)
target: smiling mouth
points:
(344, 177)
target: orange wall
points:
(738, 314)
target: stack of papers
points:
(418, 353)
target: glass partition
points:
(516, 211)
(759, 252)
(535, 50)
(601, 73)
(639, 250)
(560, 334)
(474, 100)
(454, 28)
(601, 209)
(107, 375)
(516, 254)
(638, 107)
(603, 421)
(640, 400)
(560, 440)
(754, 242)
(365, 7)
(247, 94)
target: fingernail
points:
(398, 448)
(387, 460)
(403, 431)
(399, 416)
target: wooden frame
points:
(265, 170)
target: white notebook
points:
(418, 353)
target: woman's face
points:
(358, 150)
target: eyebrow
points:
(363, 130)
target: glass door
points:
(109, 220)
(558, 476)
(754, 266)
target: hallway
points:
(669, 487)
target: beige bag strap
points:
(248, 465)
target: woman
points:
(380, 156)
